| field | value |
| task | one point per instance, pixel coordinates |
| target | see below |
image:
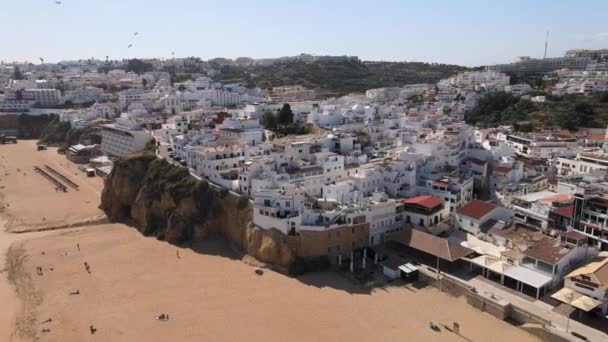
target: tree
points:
(144, 82)
(138, 66)
(285, 115)
(269, 121)
(181, 87)
(17, 75)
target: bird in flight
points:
(136, 33)
(129, 45)
(42, 60)
(57, 2)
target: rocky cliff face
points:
(163, 200)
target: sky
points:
(465, 32)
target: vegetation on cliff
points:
(572, 111)
(337, 77)
(62, 135)
(165, 201)
(26, 126)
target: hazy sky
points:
(449, 31)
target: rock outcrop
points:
(163, 200)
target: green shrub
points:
(223, 193)
(243, 202)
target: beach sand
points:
(208, 292)
(33, 202)
(216, 297)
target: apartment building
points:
(123, 138)
(426, 212)
(583, 163)
(316, 227)
(533, 208)
(36, 97)
(220, 164)
(542, 146)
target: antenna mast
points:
(546, 43)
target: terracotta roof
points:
(548, 250)
(564, 211)
(596, 137)
(477, 161)
(557, 198)
(425, 201)
(440, 183)
(502, 169)
(433, 245)
(476, 209)
(596, 270)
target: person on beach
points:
(78, 246)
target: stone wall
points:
(332, 242)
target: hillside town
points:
(392, 178)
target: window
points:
(288, 204)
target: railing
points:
(57, 183)
(62, 177)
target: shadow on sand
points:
(214, 245)
(333, 279)
(217, 245)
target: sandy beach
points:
(215, 297)
(32, 200)
(209, 293)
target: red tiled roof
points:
(502, 169)
(477, 161)
(440, 183)
(596, 137)
(476, 209)
(425, 201)
(565, 211)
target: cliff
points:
(164, 201)
(26, 126)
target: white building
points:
(476, 217)
(586, 288)
(37, 97)
(120, 139)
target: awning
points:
(528, 276)
(408, 268)
(576, 299)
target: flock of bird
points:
(128, 46)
